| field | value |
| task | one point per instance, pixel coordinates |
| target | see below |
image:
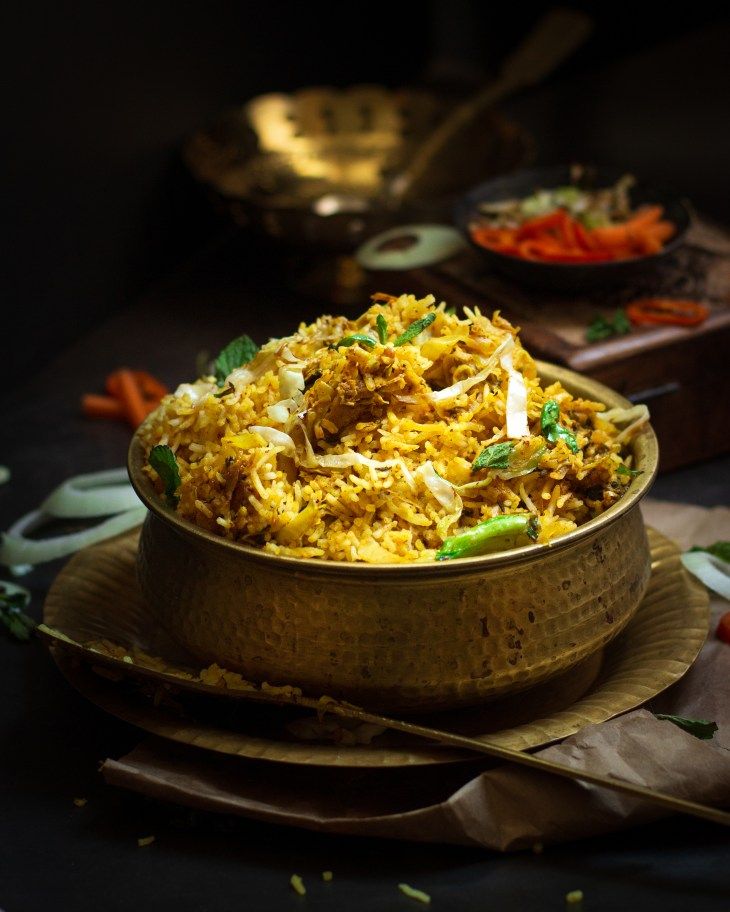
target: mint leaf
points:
(720, 549)
(415, 329)
(163, 461)
(700, 728)
(493, 457)
(237, 353)
(552, 430)
(625, 470)
(605, 327)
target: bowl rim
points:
(464, 211)
(646, 449)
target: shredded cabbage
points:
(291, 381)
(274, 437)
(516, 397)
(451, 392)
(632, 417)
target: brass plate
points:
(96, 597)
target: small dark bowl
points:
(569, 276)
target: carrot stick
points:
(644, 216)
(536, 226)
(94, 406)
(150, 386)
(131, 398)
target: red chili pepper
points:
(648, 311)
(723, 628)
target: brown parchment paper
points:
(499, 807)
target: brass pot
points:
(402, 637)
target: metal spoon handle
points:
(680, 805)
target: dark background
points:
(100, 96)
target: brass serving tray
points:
(96, 599)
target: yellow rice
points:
(378, 402)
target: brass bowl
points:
(312, 167)
(396, 637)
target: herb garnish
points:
(494, 457)
(12, 616)
(382, 325)
(552, 430)
(700, 728)
(163, 461)
(237, 353)
(720, 549)
(605, 327)
(354, 339)
(625, 470)
(415, 329)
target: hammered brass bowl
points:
(311, 167)
(397, 637)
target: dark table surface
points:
(56, 855)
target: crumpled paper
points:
(502, 807)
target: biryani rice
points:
(256, 462)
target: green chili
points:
(493, 534)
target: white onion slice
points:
(516, 398)
(241, 377)
(712, 571)
(281, 411)
(16, 549)
(93, 494)
(291, 381)
(350, 458)
(274, 437)
(194, 391)
(441, 489)
(632, 417)
(451, 392)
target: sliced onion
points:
(632, 417)
(451, 392)
(281, 411)
(445, 493)
(350, 458)
(711, 570)
(16, 549)
(274, 437)
(516, 397)
(441, 489)
(195, 391)
(241, 377)
(94, 494)
(291, 381)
